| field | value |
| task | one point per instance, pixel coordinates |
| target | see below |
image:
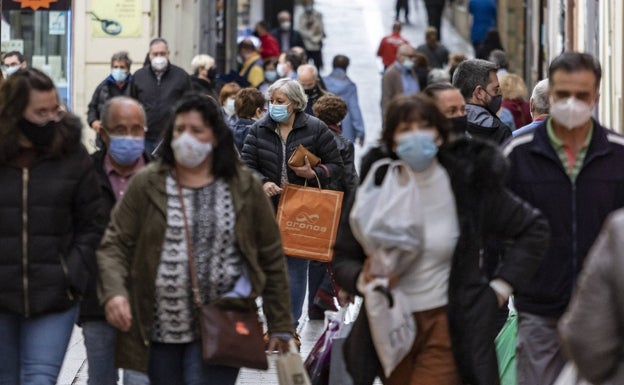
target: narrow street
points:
(353, 28)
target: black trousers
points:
(402, 4)
(434, 14)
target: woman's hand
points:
(393, 278)
(278, 345)
(304, 171)
(271, 189)
(118, 312)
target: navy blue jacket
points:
(575, 211)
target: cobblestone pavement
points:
(354, 28)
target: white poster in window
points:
(57, 24)
(116, 18)
(12, 45)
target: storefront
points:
(41, 30)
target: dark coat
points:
(90, 309)
(104, 91)
(485, 210)
(50, 224)
(485, 125)
(350, 180)
(158, 96)
(262, 150)
(295, 39)
(576, 211)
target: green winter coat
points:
(129, 255)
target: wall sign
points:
(111, 18)
(36, 5)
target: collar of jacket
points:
(157, 192)
(339, 73)
(598, 144)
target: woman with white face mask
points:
(462, 203)
(235, 243)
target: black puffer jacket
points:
(262, 150)
(159, 95)
(104, 91)
(485, 210)
(50, 224)
(350, 180)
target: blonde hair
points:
(513, 87)
(202, 61)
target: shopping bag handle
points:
(305, 184)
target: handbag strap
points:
(189, 249)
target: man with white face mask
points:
(567, 168)
(400, 78)
(158, 86)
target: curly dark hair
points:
(331, 109)
(224, 158)
(414, 108)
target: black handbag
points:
(229, 336)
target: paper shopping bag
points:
(308, 220)
(290, 369)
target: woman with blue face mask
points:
(117, 83)
(267, 148)
(453, 301)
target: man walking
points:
(400, 78)
(338, 82)
(390, 44)
(567, 168)
(477, 81)
(157, 86)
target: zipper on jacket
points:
(574, 236)
(25, 282)
(66, 273)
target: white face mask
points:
(229, 107)
(570, 112)
(159, 63)
(280, 70)
(189, 151)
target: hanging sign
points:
(110, 18)
(36, 5)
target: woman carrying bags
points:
(463, 203)
(144, 255)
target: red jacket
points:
(389, 46)
(269, 46)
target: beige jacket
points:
(592, 329)
(129, 256)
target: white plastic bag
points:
(391, 324)
(290, 369)
(569, 376)
(387, 220)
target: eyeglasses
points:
(123, 130)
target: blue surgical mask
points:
(125, 150)
(417, 149)
(279, 112)
(119, 74)
(270, 76)
(408, 64)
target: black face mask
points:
(39, 135)
(459, 123)
(212, 73)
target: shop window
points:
(41, 31)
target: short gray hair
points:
(308, 67)
(498, 57)
(438, 75)
(202, 61)
(104, 114)
(121, 56)
(293, 91)
(541, 105)
(472, 73)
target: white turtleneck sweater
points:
(426, 281)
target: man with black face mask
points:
(307, 76)
(478, 83)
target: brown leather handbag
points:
(230, 336)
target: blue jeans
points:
(99, 340)
(182, 364)
(32, 349)
(298, 280)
